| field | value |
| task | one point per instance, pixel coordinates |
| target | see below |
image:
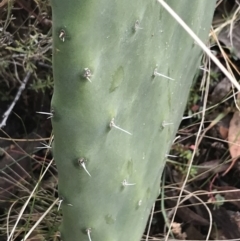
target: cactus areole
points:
(122, 73)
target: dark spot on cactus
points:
(136, 26)
(130, 167)
(169, 99)
(109, 219)
(117, 79)
(148, 193)
(160, 14)
(193, 45)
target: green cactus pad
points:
(122, 72)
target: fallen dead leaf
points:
(221, 90)
(234, 139)
(223, 131)
(231, 37)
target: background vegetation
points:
(203, 155)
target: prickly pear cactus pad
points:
(122, 72)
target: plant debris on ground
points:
(200, 188)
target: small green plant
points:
(218, 200)
(42, 84)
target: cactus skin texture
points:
(105, 53)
